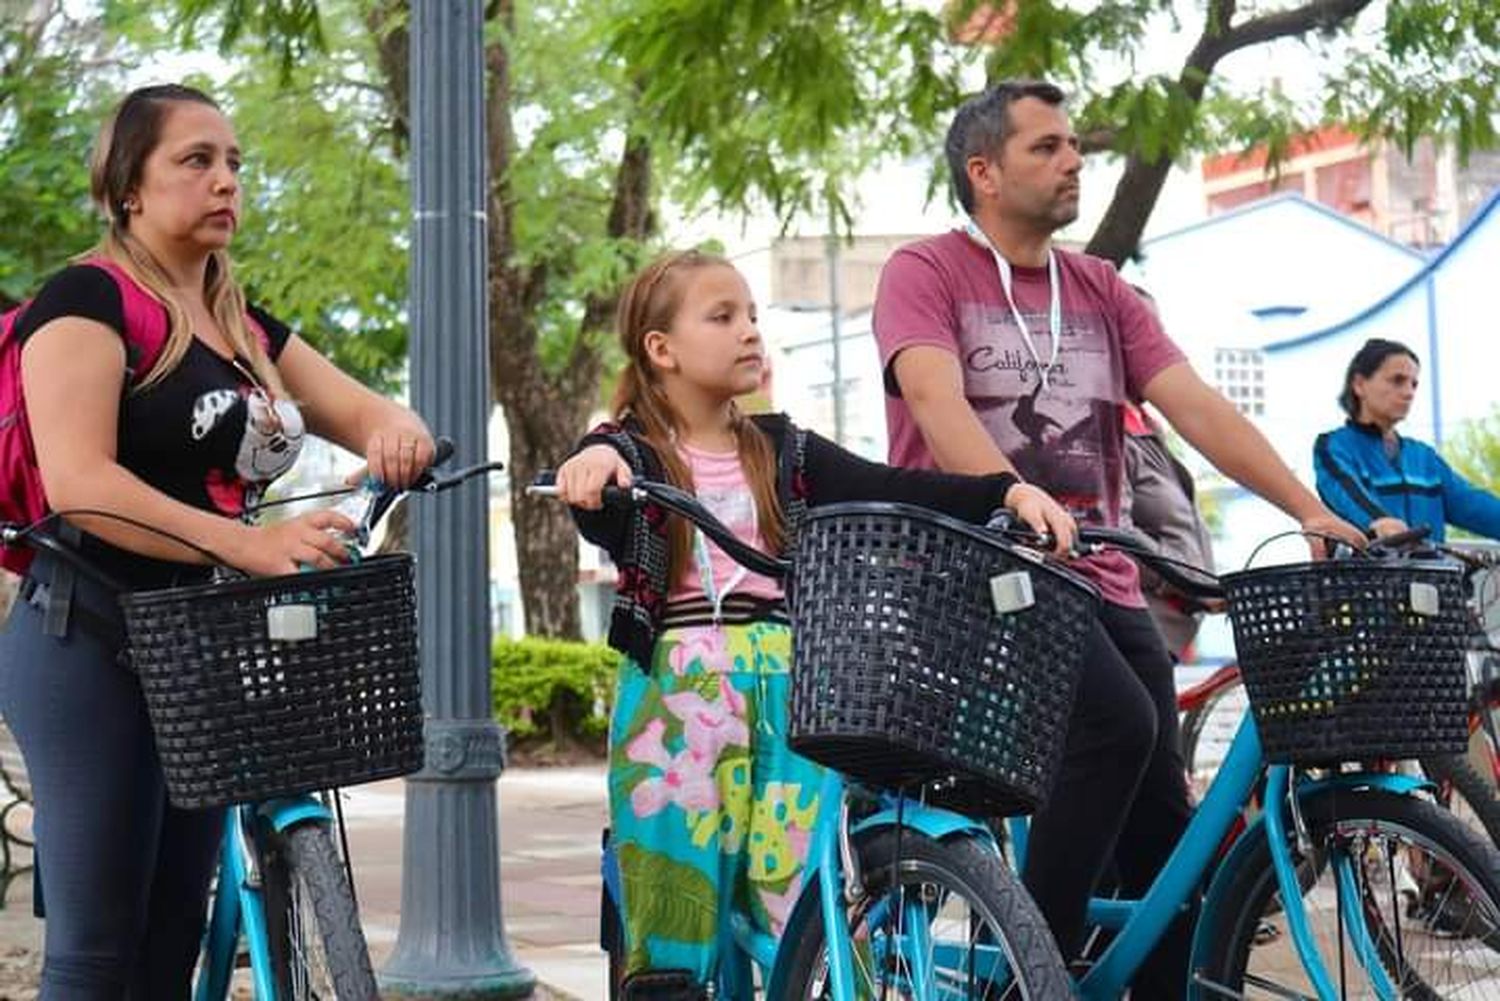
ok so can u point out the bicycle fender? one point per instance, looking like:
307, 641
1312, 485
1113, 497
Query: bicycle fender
935, 823
282, 814
1401, 785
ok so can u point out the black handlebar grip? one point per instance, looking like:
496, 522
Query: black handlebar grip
1400, 540
442, 449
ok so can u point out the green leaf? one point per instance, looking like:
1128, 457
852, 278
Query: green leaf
673, 899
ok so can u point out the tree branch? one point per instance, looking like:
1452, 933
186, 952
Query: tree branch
1319, 14
1098, 140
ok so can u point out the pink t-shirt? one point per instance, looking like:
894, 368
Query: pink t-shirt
719, 481
1068, 438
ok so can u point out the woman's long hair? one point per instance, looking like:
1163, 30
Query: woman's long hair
651, 302
1366, 362
125, 140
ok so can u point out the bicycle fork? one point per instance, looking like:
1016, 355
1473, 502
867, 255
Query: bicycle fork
1283, 843
239, 898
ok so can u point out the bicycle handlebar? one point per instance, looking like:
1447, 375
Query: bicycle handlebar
429, 482
685, 504
679, 502
1195, 582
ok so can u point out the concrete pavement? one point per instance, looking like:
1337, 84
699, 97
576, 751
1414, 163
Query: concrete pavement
550, 821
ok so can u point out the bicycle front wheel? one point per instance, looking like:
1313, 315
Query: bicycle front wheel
1462, 789
1428, 889
960, 926
317, 946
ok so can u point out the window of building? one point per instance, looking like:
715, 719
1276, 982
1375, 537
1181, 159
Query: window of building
1240, 374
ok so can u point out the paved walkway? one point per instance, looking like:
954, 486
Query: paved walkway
550, 821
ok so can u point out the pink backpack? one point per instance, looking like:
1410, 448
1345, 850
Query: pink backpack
22, 500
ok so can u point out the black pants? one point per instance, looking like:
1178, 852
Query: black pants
1121, 795
126, 875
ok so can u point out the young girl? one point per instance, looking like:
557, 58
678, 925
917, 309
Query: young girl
185, 446
707, 803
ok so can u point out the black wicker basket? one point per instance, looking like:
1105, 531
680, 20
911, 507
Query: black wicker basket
281, 685
905, 673
1353, 660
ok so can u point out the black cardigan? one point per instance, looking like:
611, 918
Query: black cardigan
812, 471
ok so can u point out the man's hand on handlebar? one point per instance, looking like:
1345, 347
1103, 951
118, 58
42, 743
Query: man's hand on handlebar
581, 480
1325, 523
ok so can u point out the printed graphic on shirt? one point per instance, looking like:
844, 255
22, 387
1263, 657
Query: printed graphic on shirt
273, 438
1063, 437
734, 506
267, 448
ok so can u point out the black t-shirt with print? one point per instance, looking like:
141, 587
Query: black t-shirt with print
201, 434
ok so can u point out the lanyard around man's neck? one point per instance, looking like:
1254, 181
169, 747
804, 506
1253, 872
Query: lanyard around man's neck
1054, 313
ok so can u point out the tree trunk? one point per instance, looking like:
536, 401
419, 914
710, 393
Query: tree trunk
543, 429
1119, 234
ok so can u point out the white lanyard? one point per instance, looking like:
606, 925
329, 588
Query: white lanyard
1054, 314
711, 589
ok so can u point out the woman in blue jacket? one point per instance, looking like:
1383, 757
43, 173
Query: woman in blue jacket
1372, 476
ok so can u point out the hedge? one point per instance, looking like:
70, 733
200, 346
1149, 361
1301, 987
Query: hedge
555, 691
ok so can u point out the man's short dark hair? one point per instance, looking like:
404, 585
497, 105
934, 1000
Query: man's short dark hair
982, 124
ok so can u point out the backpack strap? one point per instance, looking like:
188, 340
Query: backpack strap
146, 324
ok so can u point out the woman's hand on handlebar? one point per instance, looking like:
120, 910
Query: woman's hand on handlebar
1043, 515
1386, 527
397, 454
284, 547
582, 479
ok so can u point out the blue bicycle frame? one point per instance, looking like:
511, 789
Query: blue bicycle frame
239, 900
1140, 924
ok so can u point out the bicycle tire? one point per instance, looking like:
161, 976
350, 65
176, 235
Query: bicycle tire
1195, 723
1250, 949
1455, 773
964, 867
317, 946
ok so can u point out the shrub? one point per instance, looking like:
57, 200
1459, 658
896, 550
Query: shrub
553, 691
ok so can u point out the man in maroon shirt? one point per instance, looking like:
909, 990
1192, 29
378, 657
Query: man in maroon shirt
1003, 353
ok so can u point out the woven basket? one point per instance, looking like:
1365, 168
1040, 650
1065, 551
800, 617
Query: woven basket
1353, 660
281, 685
905, 674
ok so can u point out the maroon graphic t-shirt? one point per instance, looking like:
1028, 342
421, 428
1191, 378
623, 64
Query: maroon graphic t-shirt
1066, 437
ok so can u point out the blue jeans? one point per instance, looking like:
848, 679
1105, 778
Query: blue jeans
125, 874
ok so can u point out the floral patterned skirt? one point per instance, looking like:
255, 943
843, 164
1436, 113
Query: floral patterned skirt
707, 803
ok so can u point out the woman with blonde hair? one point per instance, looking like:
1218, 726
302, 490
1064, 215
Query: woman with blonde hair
183, 437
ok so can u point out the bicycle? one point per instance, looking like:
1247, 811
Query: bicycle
1313, 879
282, 886
899, 894
1467, 783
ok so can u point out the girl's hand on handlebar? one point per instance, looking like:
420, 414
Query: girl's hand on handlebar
582, 479
397, 454
307, 540
1044, 515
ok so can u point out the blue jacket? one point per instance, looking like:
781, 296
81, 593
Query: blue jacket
1360, 483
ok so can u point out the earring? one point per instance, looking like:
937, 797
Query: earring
131, 205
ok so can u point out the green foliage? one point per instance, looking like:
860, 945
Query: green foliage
50, 108
785, 102
549, 689
324, 243
573, 112
1474, 451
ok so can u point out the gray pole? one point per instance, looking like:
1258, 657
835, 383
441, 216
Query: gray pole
836, 326
452, 937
